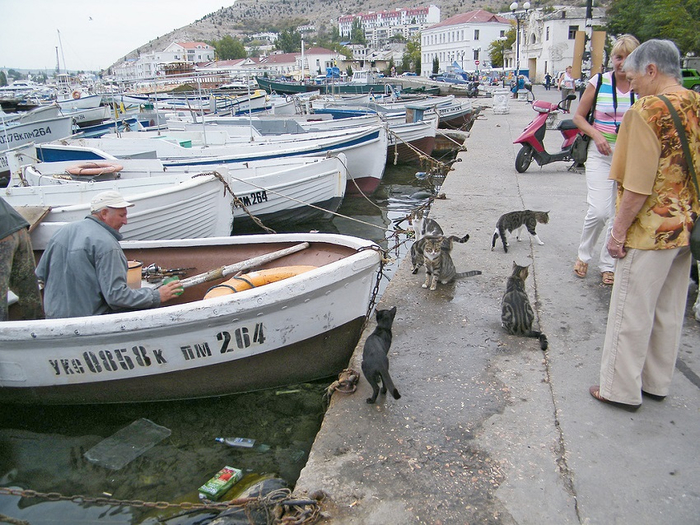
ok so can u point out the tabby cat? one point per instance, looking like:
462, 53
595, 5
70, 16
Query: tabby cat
438, 261
516, 312
515, 220
375, 359
426, 227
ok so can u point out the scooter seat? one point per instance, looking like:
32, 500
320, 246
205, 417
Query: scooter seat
567, 124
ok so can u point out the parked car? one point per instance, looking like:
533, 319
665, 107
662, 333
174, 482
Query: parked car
449, 77
691, 79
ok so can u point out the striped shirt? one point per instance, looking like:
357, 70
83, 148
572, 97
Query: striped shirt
607, 120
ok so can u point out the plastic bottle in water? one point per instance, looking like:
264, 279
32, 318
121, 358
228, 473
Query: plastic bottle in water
245, 443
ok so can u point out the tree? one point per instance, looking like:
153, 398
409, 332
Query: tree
677, 20
412, 55
357, 32
391, 66
497, 47
3, 78
436, 65
289, 41
229, 48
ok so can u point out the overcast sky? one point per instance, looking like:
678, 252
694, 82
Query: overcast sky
94, 33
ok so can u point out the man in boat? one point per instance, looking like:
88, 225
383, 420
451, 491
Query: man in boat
84, 268
17, 265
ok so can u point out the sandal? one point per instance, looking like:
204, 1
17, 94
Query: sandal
595, 392
580, 268
608, 278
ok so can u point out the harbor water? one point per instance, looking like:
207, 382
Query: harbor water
44, 448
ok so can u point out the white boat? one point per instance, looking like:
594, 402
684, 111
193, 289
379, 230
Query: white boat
301, 328
407, 138
365, 148
17, 132
279, 192
172, 205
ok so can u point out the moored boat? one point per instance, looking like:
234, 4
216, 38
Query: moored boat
278, 192
297, 329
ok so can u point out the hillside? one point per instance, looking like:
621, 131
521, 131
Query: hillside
250, 16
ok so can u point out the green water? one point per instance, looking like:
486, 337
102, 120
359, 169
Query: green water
43, 448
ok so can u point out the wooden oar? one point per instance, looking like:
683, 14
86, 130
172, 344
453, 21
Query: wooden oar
223, 271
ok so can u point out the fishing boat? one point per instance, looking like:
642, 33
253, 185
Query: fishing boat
365, 149
173, 205
362, 82
300, 328
278, 192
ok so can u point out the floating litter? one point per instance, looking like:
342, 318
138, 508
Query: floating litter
127, 444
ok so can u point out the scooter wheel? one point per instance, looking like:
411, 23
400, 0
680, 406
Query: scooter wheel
523, 159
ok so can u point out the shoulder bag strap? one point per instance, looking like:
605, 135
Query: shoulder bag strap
591, 112
684, 141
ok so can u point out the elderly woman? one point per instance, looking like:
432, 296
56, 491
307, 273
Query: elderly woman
656, 208
611, 102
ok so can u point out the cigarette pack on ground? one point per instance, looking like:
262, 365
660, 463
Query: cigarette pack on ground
219, 484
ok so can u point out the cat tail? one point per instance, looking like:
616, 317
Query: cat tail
470, 273
460, 239
495, 238
544, 344
389, 384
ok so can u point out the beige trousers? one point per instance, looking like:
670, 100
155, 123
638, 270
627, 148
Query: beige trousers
645, 319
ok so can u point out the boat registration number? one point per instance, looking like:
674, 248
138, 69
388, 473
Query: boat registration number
256, 197
126, 359
9, 138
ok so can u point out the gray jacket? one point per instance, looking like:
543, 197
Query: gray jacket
84, 271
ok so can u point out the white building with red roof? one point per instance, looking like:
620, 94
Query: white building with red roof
463, 38
379, 26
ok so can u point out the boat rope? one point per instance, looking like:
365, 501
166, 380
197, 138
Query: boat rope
357, 187
279, 506
383, 260
422, 156
300, 202
236, 201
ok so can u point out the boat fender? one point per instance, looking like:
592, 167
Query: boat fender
94, 168
76, 94
250, 280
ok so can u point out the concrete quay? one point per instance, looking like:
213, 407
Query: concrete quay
490, 429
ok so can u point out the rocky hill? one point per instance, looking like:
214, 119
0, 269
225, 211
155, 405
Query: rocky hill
250, 16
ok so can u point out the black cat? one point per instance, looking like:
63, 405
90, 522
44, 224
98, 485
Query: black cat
375, 360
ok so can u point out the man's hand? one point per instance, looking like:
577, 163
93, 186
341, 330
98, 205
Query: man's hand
170, 291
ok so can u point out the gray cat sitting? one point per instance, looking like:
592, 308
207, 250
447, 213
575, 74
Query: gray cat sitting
375, 359
426, 229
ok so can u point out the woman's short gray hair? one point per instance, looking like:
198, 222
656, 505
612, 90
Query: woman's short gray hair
662, 53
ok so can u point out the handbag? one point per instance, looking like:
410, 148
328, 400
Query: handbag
695, 233
579, 148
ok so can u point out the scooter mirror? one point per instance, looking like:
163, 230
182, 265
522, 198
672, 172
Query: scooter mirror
571, 97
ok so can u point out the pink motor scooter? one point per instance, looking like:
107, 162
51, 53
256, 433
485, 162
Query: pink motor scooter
532, 138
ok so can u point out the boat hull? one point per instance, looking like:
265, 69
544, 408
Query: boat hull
297, 329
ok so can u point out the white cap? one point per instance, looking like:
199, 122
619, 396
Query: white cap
108, 199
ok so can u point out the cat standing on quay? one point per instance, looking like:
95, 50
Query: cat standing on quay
424, 228
375, 356
515, 220
439, 265
517, 315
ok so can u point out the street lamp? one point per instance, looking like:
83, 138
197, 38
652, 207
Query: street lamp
503, 58
519, 17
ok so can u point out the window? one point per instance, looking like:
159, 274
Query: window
476, 34
476, 54
547, 37
572, 32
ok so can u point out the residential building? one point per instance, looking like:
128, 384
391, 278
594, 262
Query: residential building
464, 39
150, 65
547, 39
380, 26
